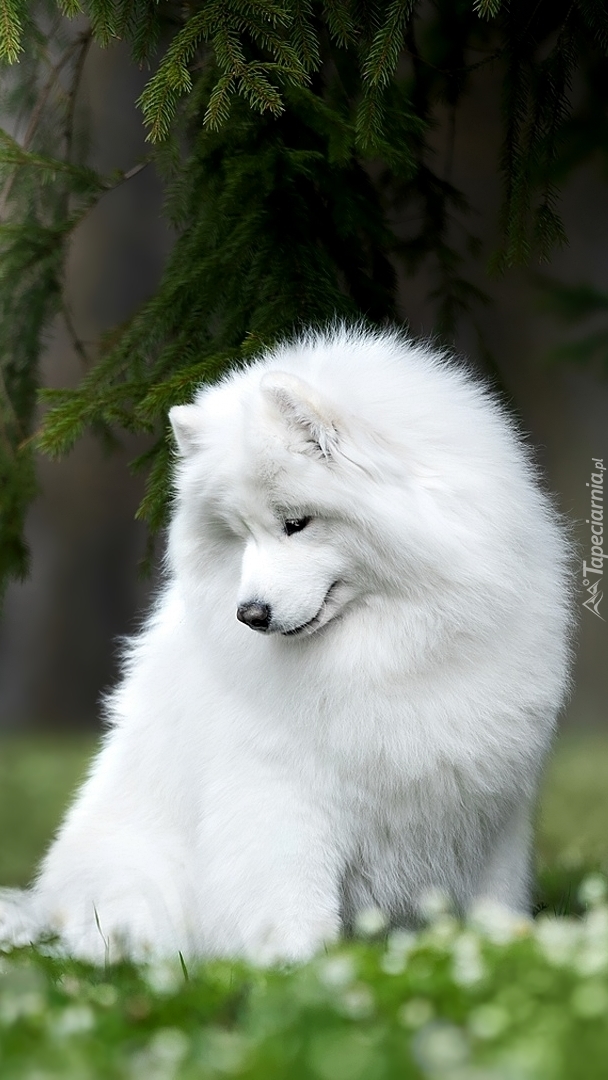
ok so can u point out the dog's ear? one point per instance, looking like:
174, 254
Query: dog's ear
304, 410
185, 421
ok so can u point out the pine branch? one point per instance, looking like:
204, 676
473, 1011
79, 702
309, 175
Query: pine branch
13, 13
104, 20
487, 9
70, 8
305, 40
387, 44
159, 99
340, 23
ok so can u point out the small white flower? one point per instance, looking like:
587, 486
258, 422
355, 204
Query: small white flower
498, 923
488, 1021
73, 1020
104, 994
591, 960
558, 939
442, 931
415, 1013
357, 1002
402, 941
595, 925
593, 890
468, 967
370, 921
592, 957
169, 1045
438, 1047
398, 948
336, 971
70, 985
433, 903
164, 977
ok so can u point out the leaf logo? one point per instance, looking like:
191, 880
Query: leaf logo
592, 603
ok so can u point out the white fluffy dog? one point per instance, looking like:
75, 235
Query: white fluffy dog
347, 687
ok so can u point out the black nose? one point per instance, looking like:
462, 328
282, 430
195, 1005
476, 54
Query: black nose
256, 615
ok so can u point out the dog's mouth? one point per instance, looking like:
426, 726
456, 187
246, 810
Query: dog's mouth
323, 616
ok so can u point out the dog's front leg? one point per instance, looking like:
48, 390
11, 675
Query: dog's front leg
269, 873
506, 877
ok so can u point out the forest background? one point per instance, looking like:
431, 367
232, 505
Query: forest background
181, 184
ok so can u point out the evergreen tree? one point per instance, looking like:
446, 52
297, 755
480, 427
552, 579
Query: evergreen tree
290, 135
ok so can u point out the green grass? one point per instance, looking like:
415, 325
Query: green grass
491, 1001
37, 778
573, 821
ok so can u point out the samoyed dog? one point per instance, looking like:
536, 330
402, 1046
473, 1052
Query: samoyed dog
345, 692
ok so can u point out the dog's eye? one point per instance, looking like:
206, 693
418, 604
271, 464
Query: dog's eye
294, 525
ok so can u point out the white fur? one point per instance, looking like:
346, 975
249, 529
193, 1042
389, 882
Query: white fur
256, 790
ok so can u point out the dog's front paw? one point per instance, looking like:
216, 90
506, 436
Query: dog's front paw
19, 922
293, 942
117, 928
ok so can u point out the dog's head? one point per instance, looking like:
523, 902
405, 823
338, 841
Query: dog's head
272, 475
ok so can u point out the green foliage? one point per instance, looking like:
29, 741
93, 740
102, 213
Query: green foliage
487, 9
35, 220
295, 141
279, 225
536, 104
44, 195
490, 1000
11, 29
224, 26
38, 777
